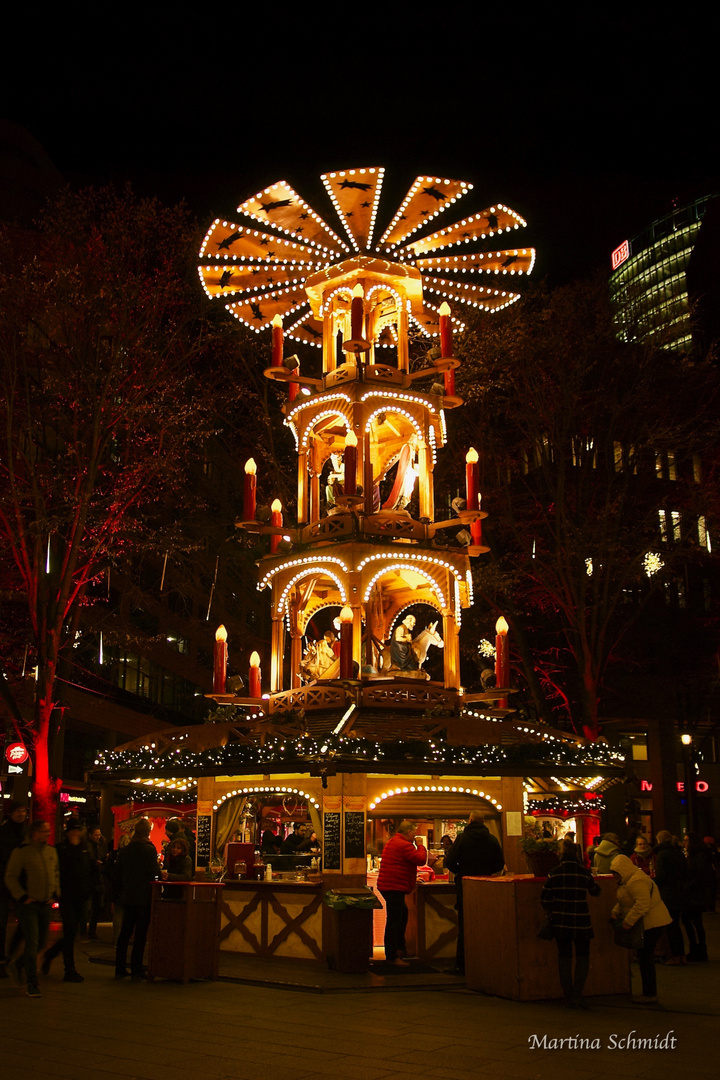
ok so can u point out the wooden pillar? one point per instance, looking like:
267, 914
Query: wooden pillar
302, 503
276, 660
451, 652
402, 347
511, 800
295, 658
367, 474
314, 497
427, 488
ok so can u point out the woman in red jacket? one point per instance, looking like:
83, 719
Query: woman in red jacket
397, 877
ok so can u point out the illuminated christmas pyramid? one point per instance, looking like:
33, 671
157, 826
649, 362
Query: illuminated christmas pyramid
367, 430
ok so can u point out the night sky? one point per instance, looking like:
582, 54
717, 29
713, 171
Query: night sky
589, 127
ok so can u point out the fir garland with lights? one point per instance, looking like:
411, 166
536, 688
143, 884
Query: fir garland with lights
556, 804
342, 753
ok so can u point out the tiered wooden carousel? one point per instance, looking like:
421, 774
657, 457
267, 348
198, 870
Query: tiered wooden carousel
367, 587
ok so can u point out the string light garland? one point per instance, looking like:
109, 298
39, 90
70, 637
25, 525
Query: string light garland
453, 789
567, 807
396, 755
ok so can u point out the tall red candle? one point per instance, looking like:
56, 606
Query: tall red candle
346, 643
277, 341
249, 490
350, 463
472, 479
502, 667
356, 313
255, 687
220, 661
446, 340
276, 519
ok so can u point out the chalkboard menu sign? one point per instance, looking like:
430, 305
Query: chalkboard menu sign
354, 834
331, 841
202, 839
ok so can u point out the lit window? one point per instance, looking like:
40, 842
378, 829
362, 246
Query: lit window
696, 468
703, 534
663, 526
675, 514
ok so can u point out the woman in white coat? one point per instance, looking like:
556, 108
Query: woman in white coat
639, 898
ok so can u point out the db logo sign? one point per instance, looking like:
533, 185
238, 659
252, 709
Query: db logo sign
16, 753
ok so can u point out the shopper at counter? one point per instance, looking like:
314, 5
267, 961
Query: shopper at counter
564, 898
475, 853
639, 898
398, 875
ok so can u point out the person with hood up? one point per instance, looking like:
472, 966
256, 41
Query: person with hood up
639, 898
564, 898
606, 851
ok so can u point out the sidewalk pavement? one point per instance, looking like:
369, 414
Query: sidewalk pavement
109, 1029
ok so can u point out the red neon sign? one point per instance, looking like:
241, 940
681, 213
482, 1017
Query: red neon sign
16, 753
620, 254
700, 785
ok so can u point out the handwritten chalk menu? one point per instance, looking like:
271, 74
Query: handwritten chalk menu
331, 841
202, 839
354, 834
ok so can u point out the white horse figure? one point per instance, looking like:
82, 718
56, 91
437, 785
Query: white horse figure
420, 646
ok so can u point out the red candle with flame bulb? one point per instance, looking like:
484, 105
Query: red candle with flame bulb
220, 661
502, 667
277, 341
255, 681
472, 479
276, 519
249, 496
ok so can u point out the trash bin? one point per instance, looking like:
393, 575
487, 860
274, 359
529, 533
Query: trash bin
185, 930
352, 916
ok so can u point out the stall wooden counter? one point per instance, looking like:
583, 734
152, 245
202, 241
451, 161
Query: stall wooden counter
505, 957
280, 918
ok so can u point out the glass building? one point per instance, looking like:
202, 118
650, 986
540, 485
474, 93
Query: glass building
648, 285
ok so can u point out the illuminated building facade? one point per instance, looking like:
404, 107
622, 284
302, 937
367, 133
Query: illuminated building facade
649, 281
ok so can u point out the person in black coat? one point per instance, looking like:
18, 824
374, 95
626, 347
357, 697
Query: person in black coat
76, 884
564, 898
12, 835
698, 890
670, 877
475, 853
137, 868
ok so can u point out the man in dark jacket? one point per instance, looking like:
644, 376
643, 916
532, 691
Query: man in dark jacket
137, 869
670, 876
76, 881
475, 853
12, 835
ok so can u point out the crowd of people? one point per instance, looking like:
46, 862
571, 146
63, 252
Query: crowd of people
664, 889
80, 876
